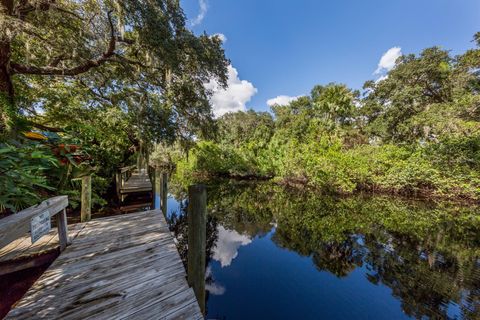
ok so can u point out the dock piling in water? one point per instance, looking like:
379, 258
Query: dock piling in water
197, 212
164, 192
157, 188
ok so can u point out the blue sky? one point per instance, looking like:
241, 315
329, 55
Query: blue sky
281, 47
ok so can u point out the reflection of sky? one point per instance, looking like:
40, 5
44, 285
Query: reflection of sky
215, 289
228, 242
210, 285
173, 205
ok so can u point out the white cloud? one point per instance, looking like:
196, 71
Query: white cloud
221, 36
387, 62
381, 78
281, 100
234, 97
226, 247
201, 15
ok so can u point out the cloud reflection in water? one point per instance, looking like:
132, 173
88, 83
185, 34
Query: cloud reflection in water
228, 242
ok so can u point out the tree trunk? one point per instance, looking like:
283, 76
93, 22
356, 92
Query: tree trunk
7, 110
6, 86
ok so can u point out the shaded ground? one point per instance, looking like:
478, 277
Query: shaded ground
14, 285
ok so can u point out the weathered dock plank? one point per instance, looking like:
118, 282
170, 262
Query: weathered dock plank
23, 248
139, 181
123, 267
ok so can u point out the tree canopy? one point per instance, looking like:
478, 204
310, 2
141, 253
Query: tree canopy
113, 77
422, 93
137, 56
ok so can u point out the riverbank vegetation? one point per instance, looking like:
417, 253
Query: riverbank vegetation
415, 131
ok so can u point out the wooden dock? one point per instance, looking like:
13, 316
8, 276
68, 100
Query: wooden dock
131, 181
121, 267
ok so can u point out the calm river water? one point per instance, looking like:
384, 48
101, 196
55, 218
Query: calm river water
280, 254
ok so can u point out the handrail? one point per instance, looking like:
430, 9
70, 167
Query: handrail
126, 169
16, 225
121, 177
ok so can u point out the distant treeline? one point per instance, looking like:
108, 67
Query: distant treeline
415, 131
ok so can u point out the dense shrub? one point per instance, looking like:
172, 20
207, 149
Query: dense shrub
23, 174
326, 165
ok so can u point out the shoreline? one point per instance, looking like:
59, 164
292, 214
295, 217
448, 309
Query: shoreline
302, 184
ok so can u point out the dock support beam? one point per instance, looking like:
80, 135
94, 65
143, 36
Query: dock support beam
86, 211
161, 190
197, 213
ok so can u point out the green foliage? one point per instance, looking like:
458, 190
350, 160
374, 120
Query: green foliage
325, 164
34, 171
134, 60
415, 132
335, 102
209, 157
423, 97
246, 128
165, 155
23, 174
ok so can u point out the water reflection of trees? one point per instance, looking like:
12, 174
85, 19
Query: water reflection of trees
427, 254
179, 227
178, 224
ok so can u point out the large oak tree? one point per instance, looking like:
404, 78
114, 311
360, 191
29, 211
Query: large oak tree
124, 53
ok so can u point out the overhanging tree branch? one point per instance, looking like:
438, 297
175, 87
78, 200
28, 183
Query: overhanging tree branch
23, 8
46, 128
89, 64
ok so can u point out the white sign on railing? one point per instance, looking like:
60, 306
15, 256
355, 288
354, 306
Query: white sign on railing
40, 225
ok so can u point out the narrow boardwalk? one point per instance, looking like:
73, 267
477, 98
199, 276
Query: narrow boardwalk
122, 267
137, 182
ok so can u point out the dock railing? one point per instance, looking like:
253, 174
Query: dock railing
18, 224
122, 176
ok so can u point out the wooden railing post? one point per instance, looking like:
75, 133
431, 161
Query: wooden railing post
118, 184
197, 213
164, 193
139, 161
86, 211
123, 179
62, 229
